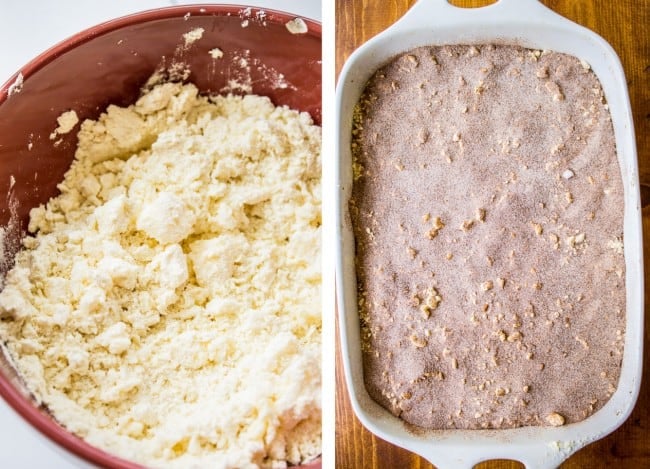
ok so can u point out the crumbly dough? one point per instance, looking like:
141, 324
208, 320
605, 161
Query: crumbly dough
216, 53
192, 36
297, 26
488, 214
168, 307
66, 121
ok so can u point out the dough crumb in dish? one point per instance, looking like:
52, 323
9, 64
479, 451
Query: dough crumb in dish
555, 419
167, 307
513, 151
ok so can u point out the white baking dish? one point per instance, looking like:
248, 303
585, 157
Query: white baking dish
530, 24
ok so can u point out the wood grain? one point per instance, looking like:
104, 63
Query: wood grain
625, 24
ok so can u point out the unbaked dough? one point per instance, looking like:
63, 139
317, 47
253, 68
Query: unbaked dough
167, 308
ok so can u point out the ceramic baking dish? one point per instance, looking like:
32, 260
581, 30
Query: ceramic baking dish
530, 24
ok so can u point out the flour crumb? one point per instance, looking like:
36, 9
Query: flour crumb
17, 86
216, 53
192, 36
67, 122
616, 244
297, 26
166, 218
555, 419
568, 174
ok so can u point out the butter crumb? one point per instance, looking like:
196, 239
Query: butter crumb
554, 89
297, 26
192, 36
467, 225
568, 174
17, 86
216, 53
418, 342
555, 419
437, 226
431, 302
67, 122
616, 244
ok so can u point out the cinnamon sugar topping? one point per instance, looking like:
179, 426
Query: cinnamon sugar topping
491, 269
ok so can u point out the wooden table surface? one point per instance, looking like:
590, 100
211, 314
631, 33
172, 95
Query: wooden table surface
625, 24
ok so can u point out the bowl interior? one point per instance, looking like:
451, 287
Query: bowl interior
109, 64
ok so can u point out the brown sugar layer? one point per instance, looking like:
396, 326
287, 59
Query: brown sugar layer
488, 215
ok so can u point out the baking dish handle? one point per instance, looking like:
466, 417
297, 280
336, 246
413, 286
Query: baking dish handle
444, 12
539, 455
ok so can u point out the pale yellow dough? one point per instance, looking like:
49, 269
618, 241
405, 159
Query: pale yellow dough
168, 307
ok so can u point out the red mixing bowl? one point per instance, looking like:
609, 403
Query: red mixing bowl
108, 64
